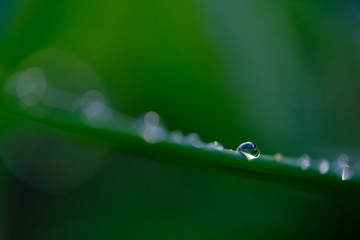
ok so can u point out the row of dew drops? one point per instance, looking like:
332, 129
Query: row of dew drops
149, 127
32, 91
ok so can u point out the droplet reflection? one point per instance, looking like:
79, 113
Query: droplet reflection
249, 149
346, 173
343, 164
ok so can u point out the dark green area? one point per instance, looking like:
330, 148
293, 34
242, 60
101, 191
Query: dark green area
283, 74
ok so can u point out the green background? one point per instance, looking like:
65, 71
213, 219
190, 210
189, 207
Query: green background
283, 74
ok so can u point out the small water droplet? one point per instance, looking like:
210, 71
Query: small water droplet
149, 127
324, 166
343, 160
344, 168
51, 80
95, 109
249, 149
154, 134
278, 156
346, 173
304, 161
194, 140
177, 136
215, 145
151, 119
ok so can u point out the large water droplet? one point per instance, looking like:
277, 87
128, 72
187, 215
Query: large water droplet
249, 149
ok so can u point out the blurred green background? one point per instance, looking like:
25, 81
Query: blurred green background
284, 74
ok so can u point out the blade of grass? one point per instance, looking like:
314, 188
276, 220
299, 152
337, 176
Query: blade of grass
121, 138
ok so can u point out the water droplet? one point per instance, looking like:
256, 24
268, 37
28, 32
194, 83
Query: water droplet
343, 160
324, 166
304, 161
151, 119
95, 109
154, 134
346, 173
215, 145
177, 136
51, 80
343, 164
149, 127
278, 156
249, 149
194, 140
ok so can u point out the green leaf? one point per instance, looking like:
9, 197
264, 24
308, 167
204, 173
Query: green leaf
122, 136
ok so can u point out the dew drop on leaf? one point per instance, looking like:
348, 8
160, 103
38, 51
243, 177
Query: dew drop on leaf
278, 157
249, 149
324, 166
194, 140
304, 161
215, 145
176, 136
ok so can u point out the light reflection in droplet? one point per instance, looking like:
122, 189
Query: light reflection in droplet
343, 165
249, 149
304, 161
346, 173
324, 166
